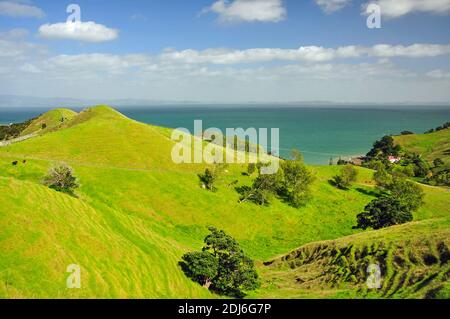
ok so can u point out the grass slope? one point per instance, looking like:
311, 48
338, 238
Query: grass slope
431, 146
149, 211
413, 259
51, 120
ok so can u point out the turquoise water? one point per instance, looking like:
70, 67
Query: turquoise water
320, 133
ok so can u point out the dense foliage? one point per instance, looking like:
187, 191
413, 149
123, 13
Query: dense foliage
221, 266
291, 183
12, 131
395, 206
383, 148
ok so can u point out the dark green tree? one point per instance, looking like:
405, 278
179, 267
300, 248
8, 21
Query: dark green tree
383, 148
201, 267
222, 266
383, 212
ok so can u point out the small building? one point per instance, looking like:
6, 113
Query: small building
393, 159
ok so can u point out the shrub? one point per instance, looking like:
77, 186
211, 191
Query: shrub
207, 179
262, 190
210, 176
61, 179
221, 266
295, 181
346, 177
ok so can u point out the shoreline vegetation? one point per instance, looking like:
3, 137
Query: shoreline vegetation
98, 189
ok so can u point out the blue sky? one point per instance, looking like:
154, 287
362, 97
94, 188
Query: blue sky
210, 50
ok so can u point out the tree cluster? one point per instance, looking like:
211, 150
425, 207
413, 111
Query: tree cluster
221, 266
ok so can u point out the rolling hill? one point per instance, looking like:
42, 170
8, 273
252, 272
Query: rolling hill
430, 146
137, 213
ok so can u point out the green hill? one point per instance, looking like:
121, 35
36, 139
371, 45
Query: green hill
413, 260
138, 212
49, 121
430, 146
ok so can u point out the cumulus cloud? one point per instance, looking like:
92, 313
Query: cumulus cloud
81, 31
398, 8
330, 6
20, 9
392, 8
304, 53
248, 10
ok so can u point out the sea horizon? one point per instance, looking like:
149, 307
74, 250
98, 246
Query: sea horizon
320, 133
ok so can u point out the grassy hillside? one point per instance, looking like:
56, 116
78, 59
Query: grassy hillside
431, 146
413, 259
49, 121
138, 212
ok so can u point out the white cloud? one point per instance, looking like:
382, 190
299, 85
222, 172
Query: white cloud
438, 74
398, 8
305, 54
81, 31
412, 51
18, 9
248, 10
392, 8
29, 68
330, 6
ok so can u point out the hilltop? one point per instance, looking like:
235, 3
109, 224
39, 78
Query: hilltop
137, 212
431, 145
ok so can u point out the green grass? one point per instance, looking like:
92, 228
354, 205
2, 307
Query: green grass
413, 259
138, 212
49, 121
430, 146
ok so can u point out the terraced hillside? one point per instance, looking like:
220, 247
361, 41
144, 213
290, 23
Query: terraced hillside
137, 212
413, 260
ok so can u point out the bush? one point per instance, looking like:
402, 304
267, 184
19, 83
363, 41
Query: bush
207, 179
262, 190
221, 266
383, 212
210, 177
295, 181
408, 193
346, 177
61, 179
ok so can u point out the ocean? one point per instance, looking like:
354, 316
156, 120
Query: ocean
320, 133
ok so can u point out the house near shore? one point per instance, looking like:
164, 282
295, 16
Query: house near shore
393, 159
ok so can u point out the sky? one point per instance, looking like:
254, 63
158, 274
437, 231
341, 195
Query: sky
227, 51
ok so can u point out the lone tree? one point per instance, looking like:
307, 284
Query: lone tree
396, 207
346, 177
210, 176
383, 212
221, 266
296, 181
262, 190
61, 179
